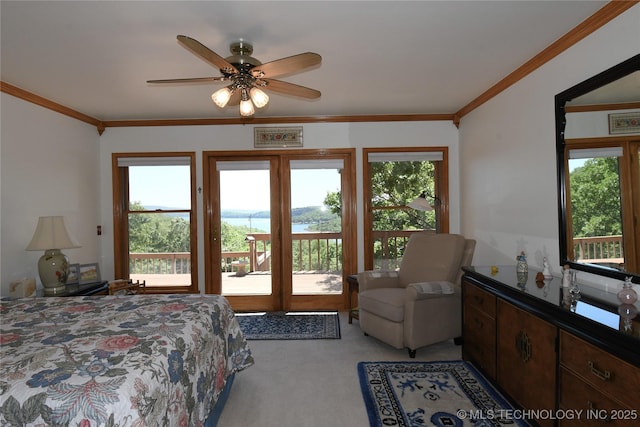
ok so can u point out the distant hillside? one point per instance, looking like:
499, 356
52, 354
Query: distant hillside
304, 215
230, 213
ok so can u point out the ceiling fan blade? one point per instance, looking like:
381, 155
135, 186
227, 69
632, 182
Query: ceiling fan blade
235, 99
207, 54
290, 89
287, 65
189, 80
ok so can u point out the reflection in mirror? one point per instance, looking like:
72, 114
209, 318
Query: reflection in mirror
595, 210
598, 178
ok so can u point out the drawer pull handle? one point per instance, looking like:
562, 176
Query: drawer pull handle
478, 299
603, 375
523, 346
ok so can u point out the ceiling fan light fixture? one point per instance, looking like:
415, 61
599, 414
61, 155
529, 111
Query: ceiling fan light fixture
221, 96
246, 106
259, 98
248, 75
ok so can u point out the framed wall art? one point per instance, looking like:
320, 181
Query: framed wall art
624, 123
74, 274
282, 137
89, 273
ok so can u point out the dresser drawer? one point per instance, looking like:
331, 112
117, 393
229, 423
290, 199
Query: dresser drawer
482, 300
591, 407
526, 358
607, 373
479, 340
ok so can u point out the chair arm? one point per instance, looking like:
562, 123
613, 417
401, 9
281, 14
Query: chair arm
427, 290
375, 279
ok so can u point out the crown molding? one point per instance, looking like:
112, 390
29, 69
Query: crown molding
46, 103
601, 107
608, 12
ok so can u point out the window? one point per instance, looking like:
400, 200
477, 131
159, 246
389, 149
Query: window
154, 220
600, 202
392, 179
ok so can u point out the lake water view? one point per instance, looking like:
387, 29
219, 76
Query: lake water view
262, 224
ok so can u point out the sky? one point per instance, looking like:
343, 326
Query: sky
240, 190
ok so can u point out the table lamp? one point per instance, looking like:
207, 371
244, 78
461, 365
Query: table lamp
50, 236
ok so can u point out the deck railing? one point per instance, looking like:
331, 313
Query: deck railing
322, 252
599, 249
160, 263
319, 252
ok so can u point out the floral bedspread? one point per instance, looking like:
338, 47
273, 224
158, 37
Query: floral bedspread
139, 360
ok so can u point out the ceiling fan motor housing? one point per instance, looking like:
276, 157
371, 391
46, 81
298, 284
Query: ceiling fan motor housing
241, 58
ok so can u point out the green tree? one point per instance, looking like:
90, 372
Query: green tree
157, 233
397, 184
595, 198
234, 237
393, 186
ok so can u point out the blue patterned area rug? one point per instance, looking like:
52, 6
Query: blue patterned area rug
290, 326
447, 393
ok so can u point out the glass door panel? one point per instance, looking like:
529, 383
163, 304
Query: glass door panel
245, 228
316, 227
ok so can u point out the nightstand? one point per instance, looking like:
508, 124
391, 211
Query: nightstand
354, 288
84, 289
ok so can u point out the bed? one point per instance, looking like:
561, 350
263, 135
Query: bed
140, 360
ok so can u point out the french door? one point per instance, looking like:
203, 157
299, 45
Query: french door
280, 227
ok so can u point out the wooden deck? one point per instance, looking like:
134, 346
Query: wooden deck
255, 283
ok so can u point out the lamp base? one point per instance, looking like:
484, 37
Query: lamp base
53, 268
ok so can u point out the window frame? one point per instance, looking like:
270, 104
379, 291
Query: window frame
120, 181
441, 185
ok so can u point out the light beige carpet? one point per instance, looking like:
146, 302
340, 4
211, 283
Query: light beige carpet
313, 383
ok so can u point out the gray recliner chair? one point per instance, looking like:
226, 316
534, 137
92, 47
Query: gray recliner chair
420, 303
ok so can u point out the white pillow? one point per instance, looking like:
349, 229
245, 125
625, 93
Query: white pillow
434, 288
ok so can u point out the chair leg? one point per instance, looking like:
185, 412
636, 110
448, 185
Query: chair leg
412, 354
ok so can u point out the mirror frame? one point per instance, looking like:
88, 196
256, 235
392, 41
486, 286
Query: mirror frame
614, 73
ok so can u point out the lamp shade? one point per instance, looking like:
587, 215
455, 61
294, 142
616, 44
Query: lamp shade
221, 97
246, 108
52, 233
259, 98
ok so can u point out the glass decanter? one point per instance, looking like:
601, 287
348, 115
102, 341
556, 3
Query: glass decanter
627, 294
574, 289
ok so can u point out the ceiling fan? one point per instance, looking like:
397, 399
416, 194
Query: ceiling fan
248, 76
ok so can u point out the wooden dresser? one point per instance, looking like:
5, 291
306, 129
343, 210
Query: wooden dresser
575, 362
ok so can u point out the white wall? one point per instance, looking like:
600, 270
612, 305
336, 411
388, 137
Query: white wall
240, 137
507, 151
591, 124
48, 167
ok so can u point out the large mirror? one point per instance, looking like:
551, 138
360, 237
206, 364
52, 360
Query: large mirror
597, 145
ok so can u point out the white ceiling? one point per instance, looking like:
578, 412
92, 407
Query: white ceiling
378, 57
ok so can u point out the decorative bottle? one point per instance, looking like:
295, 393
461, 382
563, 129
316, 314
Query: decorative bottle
566, 276
522, 266
627, 294
546, 272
